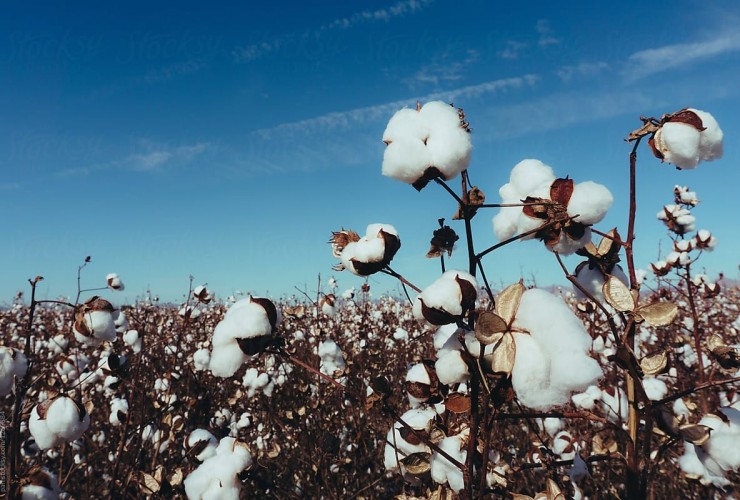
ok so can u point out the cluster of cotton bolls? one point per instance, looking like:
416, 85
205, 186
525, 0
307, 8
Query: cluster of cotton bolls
264, 382
217, 477
247, 328
13, 364
612, 400
677, 219
425, 143
687, 138
365, 255
720, 454
569, 208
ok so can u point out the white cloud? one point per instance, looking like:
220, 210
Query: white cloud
567, 73
651, 61
344, 119
442, 70
512, 50
545, 33
152, 160
261, 49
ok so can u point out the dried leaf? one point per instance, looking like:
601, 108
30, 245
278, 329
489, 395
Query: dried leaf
517, 496
148, 484
504, 355
715, 341
381, 386
489, 327
553, 491
417, 463
618, 295
175, 479
654, 364
728, 357
604, 444
507, 302
419, 390
657, 314
458, 403
695, 433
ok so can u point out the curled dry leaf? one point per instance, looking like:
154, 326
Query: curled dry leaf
507, 302
654, 363
149, 484
488, 327
458, 403
604, 444
657, 314
417, 463
504, 355
618, 295
695, 433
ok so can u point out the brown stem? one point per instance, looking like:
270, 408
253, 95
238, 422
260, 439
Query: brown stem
696, 333
387, 270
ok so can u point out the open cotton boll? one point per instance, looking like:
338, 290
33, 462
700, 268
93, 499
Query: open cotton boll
593, 280
433, 136
63, 418
679, 144
693, 463
446, 337
13, 364
590, 202
332, 358
39, 429
443, 471
100, 326
724, 442
226, 359
655, 388
450, 368
552, 361
40, 484
216, 477
202, 443
447, 298
114, 282
528, 175
397, 447
710, 140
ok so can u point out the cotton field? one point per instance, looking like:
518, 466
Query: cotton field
623, 384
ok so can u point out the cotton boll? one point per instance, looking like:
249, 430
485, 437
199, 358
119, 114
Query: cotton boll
655, 388
40, 484
447, 298
590, 201
550, 425
528, 175
64, 419
724, 443
406, 160
443, 471
568, 245
593, 280
679, 144
450, 151
451, 369
710, 142
13, 363
39, 429
201, 439
405, 123
446, 337
419, 419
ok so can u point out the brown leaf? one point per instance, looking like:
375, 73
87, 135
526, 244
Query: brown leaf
417, 463
618, 295
561, 191
176, 478
507, 302
458, 403
419, 390
654, 364
657, 314
603, 444
695, 433
488, 327
504, 355
149, 484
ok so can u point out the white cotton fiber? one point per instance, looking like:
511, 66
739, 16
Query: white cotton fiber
552, 361
443, 471
13, 363
590, 201
685, 146
450, 368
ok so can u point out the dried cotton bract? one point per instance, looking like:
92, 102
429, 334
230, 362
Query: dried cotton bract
429, 142
687, 138
369, 254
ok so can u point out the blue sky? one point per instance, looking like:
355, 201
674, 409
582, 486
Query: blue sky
228, 142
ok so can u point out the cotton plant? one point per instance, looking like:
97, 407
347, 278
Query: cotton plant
556, 211
429, 142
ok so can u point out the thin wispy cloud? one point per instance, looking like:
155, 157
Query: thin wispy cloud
586, 69
652, 61
345, 119
263, 48
545, 32
8, 186
444, 69
152, 157
512, 50
398, 9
